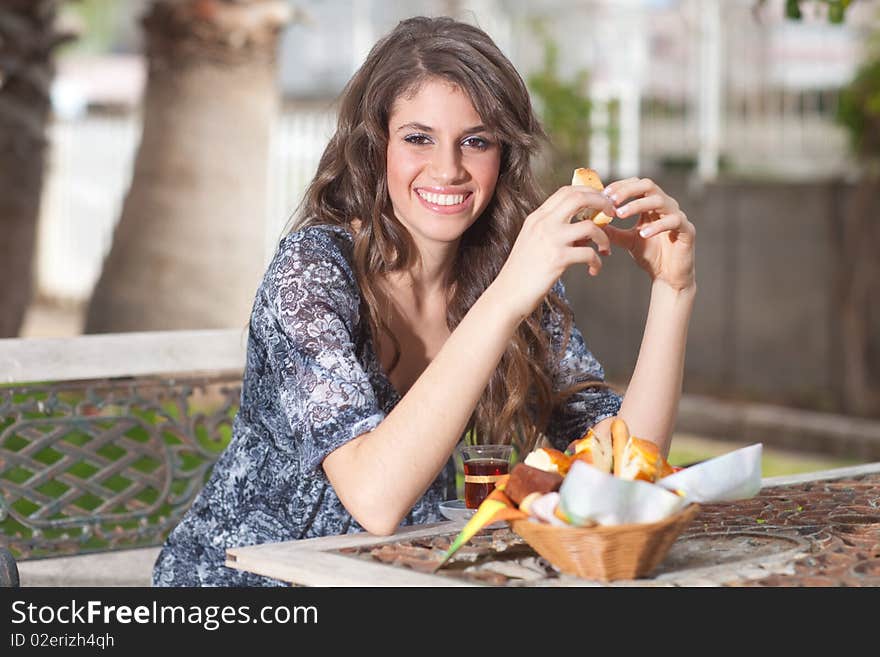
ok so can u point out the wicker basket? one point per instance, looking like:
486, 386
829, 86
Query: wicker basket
606, 552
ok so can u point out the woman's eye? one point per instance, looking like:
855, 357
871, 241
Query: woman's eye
476, 142
417, 139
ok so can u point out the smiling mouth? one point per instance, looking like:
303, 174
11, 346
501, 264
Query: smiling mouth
443, 200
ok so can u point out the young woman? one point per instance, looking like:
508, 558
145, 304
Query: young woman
419, 297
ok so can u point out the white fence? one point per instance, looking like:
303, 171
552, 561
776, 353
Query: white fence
781, 134
298, 140
89, 170
713, 79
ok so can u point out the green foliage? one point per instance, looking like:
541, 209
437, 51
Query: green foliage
836, 9
564, 107
858, 108
97, 22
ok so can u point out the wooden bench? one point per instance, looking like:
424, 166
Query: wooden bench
105, 440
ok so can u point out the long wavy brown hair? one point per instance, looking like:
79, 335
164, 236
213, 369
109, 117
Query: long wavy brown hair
351, 184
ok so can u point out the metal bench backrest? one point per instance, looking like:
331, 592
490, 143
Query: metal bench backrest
105, 440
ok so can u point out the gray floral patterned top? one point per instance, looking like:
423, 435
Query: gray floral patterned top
312, 382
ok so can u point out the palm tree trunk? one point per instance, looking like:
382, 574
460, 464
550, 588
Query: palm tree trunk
188, 249
27, 41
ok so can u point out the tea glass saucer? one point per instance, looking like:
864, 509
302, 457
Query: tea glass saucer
455, 510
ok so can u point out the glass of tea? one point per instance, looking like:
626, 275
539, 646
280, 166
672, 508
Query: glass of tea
483, 466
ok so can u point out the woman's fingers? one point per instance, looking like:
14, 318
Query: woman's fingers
588, 256
624, 237
627, 237
580, 233
658, 211
675, 223
566, 202
652, 203
621, 190
612, 190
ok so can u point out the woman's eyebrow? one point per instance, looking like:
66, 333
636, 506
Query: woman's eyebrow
415, 126
426, 128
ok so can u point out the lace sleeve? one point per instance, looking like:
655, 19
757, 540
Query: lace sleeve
324, 390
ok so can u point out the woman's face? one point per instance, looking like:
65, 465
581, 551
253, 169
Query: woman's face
442, 163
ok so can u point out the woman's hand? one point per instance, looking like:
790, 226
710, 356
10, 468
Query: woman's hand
662, 241
549, 242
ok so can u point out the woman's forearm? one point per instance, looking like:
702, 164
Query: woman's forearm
650, 404
381, 474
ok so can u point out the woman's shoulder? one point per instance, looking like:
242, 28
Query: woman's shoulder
321, 250
318, 240
312, 264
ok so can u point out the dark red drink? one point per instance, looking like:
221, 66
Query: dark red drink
480, 476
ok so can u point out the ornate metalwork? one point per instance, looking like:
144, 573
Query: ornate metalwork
94, 465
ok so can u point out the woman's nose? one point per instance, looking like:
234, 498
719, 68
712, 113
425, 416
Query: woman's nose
446, 165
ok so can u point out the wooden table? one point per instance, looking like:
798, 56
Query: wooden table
816, 529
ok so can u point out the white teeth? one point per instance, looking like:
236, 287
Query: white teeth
442, 199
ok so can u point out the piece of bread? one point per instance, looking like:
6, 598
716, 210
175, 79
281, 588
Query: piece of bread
589, 178
548, 460
593, 449
642, 461
619, 439
525, 480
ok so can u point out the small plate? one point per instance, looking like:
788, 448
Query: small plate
455, 510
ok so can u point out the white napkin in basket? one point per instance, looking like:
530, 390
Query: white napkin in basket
588, 495
732, 476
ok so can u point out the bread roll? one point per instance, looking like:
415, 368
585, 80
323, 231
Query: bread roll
593, 449
589, 178
642, 461
548, 460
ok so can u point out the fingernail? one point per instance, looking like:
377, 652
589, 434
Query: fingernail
645, 232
